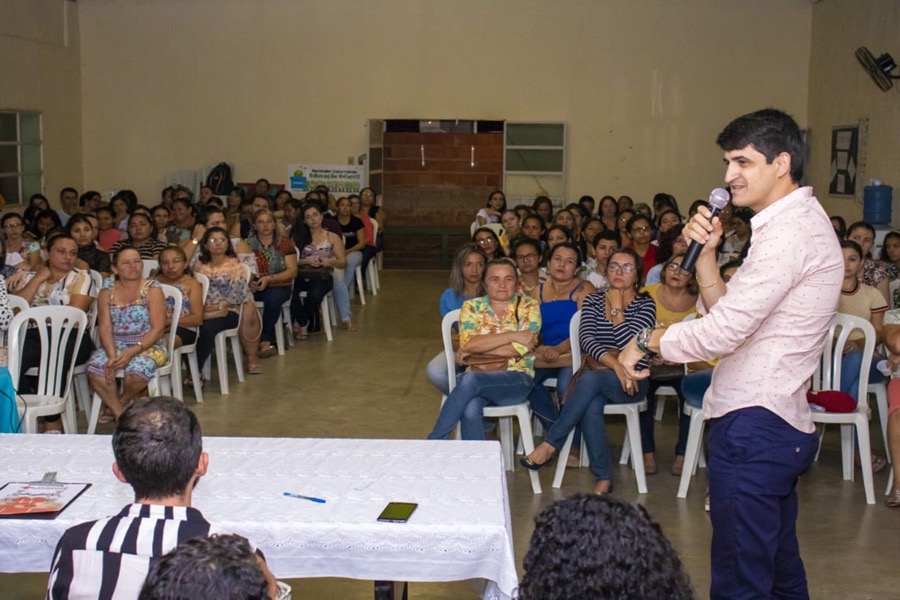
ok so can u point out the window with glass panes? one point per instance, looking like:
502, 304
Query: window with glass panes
21, 157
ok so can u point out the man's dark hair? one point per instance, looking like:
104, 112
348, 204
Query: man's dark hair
609, 234
157, 446
223, 567
67, 189
770, 132
589, 546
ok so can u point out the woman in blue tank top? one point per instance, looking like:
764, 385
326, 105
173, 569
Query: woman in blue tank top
560, 297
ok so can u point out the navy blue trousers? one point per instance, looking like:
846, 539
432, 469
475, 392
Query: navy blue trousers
755, 458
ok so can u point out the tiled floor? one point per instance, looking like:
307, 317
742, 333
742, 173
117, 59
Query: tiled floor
371, 383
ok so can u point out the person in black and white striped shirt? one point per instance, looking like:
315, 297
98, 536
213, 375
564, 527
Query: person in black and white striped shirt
158, 450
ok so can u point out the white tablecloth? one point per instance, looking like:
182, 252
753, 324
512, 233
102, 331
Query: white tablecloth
461, 529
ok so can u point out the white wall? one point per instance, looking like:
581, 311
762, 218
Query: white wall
644, 85
841, 93
40, 70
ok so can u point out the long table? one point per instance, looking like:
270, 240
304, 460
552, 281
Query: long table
461, 529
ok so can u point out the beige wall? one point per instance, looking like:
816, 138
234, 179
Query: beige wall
40, 70
841, 93
644, 85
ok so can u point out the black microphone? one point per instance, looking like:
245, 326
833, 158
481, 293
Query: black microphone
718, 198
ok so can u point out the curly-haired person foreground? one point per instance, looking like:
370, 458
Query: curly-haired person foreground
594, 547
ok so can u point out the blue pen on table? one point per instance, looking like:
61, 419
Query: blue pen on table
302, 497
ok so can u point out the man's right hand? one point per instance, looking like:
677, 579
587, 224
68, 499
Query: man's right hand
703, 230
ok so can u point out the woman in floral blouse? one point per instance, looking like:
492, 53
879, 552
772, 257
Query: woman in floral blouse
497, 337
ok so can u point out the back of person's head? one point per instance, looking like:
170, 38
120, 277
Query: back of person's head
770, 132
596, 547
157, 445
220, 567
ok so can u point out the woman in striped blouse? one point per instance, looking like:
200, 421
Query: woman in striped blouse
609, 319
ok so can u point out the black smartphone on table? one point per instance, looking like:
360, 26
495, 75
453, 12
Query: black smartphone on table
397, 512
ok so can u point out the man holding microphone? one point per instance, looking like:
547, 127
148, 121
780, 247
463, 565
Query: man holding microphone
768, 331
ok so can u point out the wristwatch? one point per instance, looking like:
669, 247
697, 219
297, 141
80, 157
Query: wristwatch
642, 339
614, 312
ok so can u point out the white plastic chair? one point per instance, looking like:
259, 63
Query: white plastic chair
693, 454
828, 377
56, 326
893, 293
505, 414
631, 410
497, 228
221, 351
150, 265
879, 390
82, 389
372, 269
190, 352
161, 383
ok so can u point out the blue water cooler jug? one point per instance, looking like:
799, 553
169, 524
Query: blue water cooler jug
877, 204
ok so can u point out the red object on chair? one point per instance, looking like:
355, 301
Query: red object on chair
832, 400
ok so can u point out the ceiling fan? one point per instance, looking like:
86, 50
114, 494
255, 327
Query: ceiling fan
879, 69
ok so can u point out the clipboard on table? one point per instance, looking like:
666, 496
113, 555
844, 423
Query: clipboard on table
38, 500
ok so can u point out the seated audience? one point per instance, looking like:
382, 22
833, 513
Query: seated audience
622, 226
163, 220
184, 215
874, 273
233, 205
566, 219
221, 566
676, 298
36, 204
89, 255
173, 271
244, 227
528, 255
496, 204
368, 200
588, 204
640, 232
890, 255
840, 227
533, 227
229, 296
624, 203
511, 227
865, 302
158, 451
585, 241
670, 243
68, 200
608, 211
497, 337
276, 262
142, 236
489, 242
667, 220
21, 254
892, 344
131, 319
465, 284
605, 243
587, 547
321, 251
557, 234
736, 246
353, 232
47, 221
543, 206
58, 283
108, 234
89, 202
560, 298
121, 204
609, 320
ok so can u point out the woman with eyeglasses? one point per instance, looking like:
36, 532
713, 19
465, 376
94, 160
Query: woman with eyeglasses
671, 242
487, 239
465, 284
676, 299
609, 320
229, 292
498, 333
21, 255
561, 297
528, 256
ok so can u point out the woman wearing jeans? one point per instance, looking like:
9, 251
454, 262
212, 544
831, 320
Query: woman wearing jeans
502, 326
608, 322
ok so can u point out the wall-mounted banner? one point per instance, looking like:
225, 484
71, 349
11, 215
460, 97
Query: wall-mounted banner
341, 179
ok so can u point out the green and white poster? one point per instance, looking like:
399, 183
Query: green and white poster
340, 179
